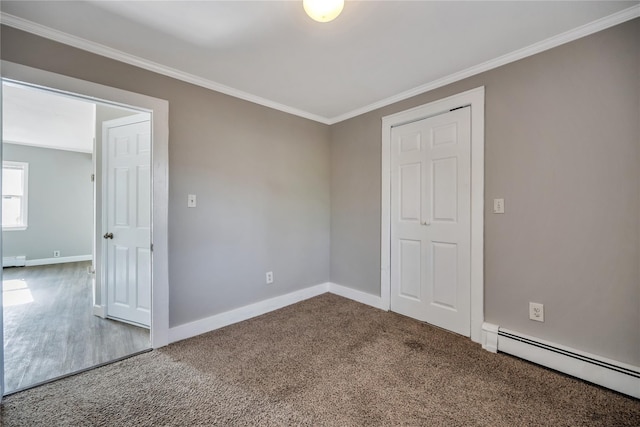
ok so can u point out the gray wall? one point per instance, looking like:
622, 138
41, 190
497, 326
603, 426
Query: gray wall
563, 148
261, 177
562, 138
60, 204
103, 113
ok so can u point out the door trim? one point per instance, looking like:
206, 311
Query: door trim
475, 99
159, 110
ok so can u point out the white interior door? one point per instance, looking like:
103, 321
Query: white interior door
431, 220
127, 222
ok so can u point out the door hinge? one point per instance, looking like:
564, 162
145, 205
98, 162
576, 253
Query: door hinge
151, 247
93, 177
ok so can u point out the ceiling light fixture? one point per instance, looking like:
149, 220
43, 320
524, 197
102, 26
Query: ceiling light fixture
323, 10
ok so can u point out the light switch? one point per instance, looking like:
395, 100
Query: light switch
191, 201
498, 206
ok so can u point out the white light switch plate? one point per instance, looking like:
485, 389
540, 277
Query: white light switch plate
498, 206
191, 201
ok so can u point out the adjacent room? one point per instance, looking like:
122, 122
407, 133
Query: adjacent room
59, 316
387, 213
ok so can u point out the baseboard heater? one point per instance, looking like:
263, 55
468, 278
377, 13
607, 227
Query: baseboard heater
605, 372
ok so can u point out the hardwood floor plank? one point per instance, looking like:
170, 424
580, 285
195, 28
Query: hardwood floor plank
50, 329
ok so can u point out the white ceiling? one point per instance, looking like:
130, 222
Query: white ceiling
44, 119
270, 52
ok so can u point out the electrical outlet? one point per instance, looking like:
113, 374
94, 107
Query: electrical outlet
56, 254
498, 206
536, 311
191, 201
269, 277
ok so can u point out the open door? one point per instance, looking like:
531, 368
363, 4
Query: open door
127, 218
157, 202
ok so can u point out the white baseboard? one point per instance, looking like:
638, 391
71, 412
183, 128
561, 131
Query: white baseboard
218, 321
489, 338
100, 311
227, 318
58, 260
359, 296
608, 373
14, 261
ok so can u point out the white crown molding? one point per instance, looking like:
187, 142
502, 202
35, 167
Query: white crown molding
99, 49
566, 37
102, 50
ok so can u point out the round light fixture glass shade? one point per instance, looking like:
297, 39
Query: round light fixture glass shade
323, 10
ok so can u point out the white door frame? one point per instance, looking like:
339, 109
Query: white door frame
475, 99
159, 110
1, 310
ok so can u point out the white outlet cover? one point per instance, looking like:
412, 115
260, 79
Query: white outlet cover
191, 201
536, 311
498, 206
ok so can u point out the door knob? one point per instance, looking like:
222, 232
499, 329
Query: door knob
108, 236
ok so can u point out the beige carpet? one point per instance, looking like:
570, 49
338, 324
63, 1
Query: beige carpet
325, 361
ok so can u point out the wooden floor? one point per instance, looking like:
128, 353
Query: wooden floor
49, 327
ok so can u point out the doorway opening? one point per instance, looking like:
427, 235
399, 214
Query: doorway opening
56, 319
148, 202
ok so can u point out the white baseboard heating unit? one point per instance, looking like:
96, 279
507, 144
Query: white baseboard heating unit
599, 370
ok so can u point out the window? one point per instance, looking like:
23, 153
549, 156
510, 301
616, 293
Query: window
14, 195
